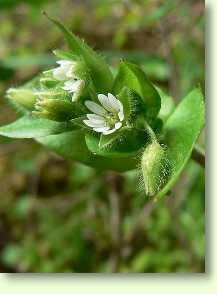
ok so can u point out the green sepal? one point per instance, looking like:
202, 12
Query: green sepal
122, 143
23, 97
58, 110
47, 80
53, 93
133, 77
132, 103
23, 105
156, 168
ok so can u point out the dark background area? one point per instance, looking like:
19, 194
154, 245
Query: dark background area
61, 216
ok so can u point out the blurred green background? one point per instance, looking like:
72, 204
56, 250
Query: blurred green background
60, 216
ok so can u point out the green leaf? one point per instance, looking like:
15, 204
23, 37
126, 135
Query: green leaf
133, 77
99, 70
72, 145
167, 105
123, 143
29, 127
65, 55
181, 132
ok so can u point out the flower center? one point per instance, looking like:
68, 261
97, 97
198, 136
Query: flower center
111, 119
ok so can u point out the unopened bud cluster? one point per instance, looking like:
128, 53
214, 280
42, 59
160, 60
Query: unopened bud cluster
54, 98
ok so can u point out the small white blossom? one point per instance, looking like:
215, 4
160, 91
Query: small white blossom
75, 87
107, 118
66, 72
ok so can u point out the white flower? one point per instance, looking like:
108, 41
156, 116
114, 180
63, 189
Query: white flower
75, 87
66, 72
107, 118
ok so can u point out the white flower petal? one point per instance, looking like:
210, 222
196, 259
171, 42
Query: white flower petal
65, 70
103, 118
64, 62
95, 108
101, 130
104, 100
73, 85
59, 74
68, 84
95, 117
94, 124
114, 102
121, 106
70, 71
109, 131
118, 125
121, 115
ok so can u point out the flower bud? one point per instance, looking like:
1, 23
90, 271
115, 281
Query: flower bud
55, 109
47, 80
23, 97
155, 167
55, 93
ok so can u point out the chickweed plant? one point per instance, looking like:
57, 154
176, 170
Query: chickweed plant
82, 111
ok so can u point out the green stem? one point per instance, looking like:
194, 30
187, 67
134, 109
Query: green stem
198, 155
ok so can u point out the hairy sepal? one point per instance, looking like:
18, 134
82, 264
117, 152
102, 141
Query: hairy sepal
133, 77
155, 167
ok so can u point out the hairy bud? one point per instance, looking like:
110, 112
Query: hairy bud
54, 109
155, 167
23, 97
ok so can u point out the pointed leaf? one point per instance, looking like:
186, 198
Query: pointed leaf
167, 105
29, 127
181, 132
99, 70
65, 55
72, 145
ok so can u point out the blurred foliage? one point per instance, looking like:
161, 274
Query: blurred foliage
58, 216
